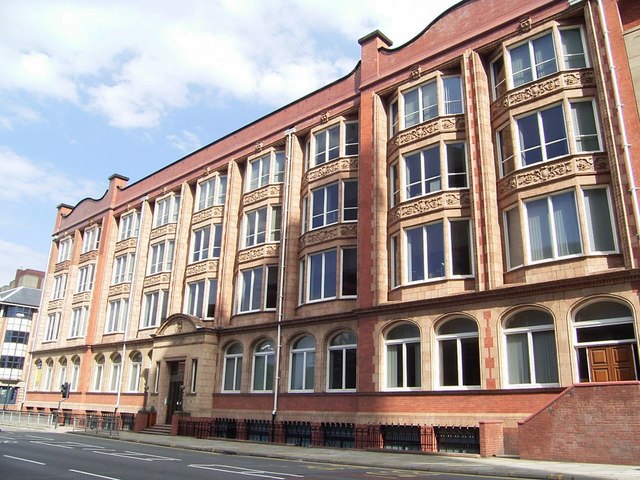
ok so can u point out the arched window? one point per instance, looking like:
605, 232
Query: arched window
37, 378
98, 373
403, 357
531, 349
302, 371
75, 373
605, 342
116, 370
48, 374
62, 377
263, 364
232, 368
342, 362
459, 353
136, 370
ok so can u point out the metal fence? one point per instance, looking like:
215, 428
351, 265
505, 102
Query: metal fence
27, 418
259, 430
109, 424
339, 435
297, 433
458, 439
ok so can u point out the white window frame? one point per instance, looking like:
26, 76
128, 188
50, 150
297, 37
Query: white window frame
90, 239
123, 266
117, 315
85, 278
234, 360
211, 191
78, 322
65, 249
457, 337
98, 373
258, 294
59, 286
341, 350
199, 296
403, 343
267, 169
161, 257
116, 373
135, 372
155, 308
166, 210
306, 354
206, 242
262, 353
53, 327
129, 225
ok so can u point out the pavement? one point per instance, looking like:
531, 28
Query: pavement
508, 467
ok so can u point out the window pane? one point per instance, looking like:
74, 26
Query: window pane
521, 65
555, 134
514, 238
544, 55
584, 124
330, 263
460, 248
411, 108
518, 359
413, 365
539, 230
449, 362
415, 254
452, 95
432, 177
272, 287
297, 369
315, 274
351, 144
429, 101
413, 173
350, 373
349, 272
572, 48
599, 220
544, 354
435, 246
530, 147
336, 366
566, 224
456, 165
394, 366
470, 361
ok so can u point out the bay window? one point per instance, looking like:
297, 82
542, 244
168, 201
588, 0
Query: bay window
65, 248
265, 170
200, 298
258, 289
90, 239
78, 322
211, 192
117, 315
155, 308
123, 268
161, 257
166, 211
329, 274
329, 204
262, 225
331, 143
206, 243
129, 225
85, 278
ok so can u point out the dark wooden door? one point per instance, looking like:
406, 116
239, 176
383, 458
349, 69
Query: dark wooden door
176, 388
612, 364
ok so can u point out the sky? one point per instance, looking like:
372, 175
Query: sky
89, 88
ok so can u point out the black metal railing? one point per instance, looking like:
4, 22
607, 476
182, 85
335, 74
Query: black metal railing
458, 439
224, 428
401, 437
297, 433
340, 435
259, 430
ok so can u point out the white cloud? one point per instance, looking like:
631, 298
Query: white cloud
133, 62
186, 141
32, 183
14, 256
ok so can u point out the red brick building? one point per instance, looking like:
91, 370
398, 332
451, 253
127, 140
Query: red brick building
446, 236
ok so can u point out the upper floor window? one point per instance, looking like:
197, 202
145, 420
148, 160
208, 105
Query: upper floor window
459, 353
129, 225
262, 225
65, 248
52, 328
531, 349
78, 322
437, 97
117, 314
333, 142
155, 308
438, 167
342, 362
232, 368
206, 242
212, 192
161, 257
59, 286
549, 227
330, 204
200, 298
135, 372
402, 345
329, 274
90, 239
166, 210
263, 366
265, 170
541, 136
537, 58
258, 289
85, 278
123, 268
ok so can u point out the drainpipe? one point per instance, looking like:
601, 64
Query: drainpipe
623, 131
283, 244
126, 323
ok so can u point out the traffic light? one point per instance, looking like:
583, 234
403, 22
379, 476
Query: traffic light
64, 389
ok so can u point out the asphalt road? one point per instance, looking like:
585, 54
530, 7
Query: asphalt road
32, 455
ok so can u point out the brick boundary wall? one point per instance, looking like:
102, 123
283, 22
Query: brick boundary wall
592, 422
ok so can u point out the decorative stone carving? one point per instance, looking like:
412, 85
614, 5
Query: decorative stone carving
129, 243
525, 24
157, 279
202, 215
550, 171
421, 206
543, 88
329, 234
168, 229
56, 304
120, 289
269, 191
259, 147
440, 125
210, 266
89, 256
264, 251
324, 118
81, 297
327, 169
416, 71
62, 266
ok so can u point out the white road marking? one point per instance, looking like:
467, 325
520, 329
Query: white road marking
146, 457
246, 471
93, 474
24, 460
